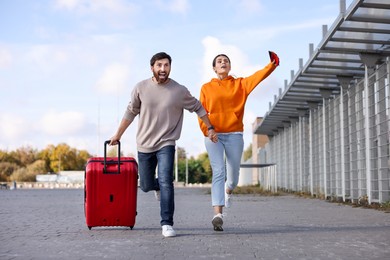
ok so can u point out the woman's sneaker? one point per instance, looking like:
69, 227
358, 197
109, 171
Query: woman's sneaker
217, 222
167, 231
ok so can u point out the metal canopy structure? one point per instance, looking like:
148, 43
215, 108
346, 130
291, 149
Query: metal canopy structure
359, 37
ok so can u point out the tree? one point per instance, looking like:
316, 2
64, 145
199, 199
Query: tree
181, 167
65, 158
198, 174
45, 155
181, 153
82, 158
112, 151
37, 167
205, 162
196, 170
25, 163
199, 170
181, 163
22, 174
62, 158
26, 155
6, 170
248, 152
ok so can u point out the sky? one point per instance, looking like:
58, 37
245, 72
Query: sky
67, 67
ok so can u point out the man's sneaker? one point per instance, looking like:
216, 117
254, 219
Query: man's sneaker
167, 231
157, 195
228, 199
217, 222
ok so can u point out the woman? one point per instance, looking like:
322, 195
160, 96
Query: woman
224, 99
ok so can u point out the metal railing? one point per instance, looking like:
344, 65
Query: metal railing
342, 149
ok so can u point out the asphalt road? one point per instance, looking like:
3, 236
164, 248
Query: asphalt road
50, 224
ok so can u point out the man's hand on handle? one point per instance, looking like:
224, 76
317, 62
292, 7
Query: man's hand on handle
114, 140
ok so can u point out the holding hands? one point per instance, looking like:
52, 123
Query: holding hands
212, 135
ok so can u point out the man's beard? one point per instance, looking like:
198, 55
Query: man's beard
159, 79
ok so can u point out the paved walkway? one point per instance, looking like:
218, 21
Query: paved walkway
50, 224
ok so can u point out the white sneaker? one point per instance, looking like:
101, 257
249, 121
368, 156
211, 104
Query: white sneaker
217, 222
228, 199
157, 195
167, 231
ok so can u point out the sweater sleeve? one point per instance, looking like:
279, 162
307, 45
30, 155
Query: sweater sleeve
133, 108
249, 83
192, 104
202, 125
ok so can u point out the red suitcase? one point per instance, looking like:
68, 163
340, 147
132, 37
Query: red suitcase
110, 190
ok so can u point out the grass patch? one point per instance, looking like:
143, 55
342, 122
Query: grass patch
385, 207
362, 202
255, 189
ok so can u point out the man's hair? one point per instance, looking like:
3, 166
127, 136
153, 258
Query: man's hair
219, 55
160, 56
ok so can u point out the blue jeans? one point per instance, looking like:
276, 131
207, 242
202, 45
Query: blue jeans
230, 146
163, 159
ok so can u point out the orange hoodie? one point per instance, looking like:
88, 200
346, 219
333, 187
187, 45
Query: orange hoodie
224, 100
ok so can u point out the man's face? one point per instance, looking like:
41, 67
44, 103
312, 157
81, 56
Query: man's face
161, 70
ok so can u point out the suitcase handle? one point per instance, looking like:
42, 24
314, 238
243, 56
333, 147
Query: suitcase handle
105, 157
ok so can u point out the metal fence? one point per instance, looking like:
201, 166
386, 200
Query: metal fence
341, 150
267, 178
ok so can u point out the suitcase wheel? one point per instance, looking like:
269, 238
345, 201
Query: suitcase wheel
131, 227
89, 227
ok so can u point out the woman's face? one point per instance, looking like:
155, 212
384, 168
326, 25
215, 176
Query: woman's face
222, 65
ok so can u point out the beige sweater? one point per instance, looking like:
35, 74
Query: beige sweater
160, 109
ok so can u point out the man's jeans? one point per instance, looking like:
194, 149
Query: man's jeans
163, 159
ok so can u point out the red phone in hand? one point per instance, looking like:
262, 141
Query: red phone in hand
274, 58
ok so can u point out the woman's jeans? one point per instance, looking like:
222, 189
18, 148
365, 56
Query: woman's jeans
163, 159
231, 146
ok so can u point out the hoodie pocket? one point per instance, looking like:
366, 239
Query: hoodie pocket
226, 121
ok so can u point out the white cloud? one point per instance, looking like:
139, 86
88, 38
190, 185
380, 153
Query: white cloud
249, 118
60, 56
252, 6
67, 4
179, 6
118, 14
5, 58
46, 57
12, 126
81, 143
62, 123
92, 6
39, 55
174, 6
114, 78
239, 60
267, 33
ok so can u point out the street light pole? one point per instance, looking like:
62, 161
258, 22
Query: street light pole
176, 168
186, 170
59, 163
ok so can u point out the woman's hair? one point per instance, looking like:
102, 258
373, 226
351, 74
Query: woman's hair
160, 56
219, 55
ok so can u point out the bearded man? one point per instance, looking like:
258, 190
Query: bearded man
159, 101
